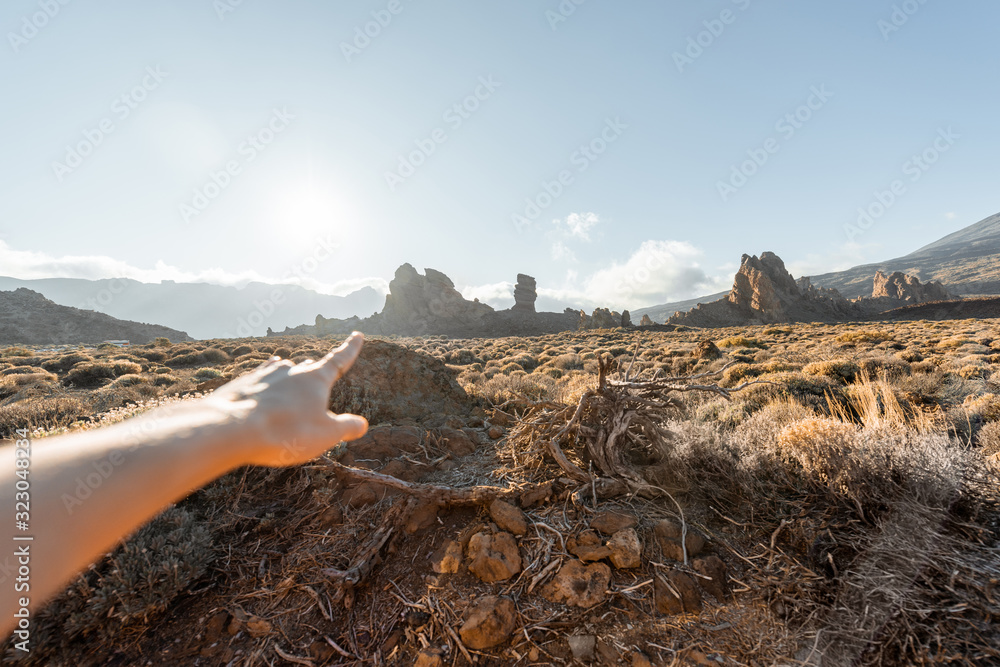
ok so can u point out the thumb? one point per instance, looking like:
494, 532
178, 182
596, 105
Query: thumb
348, 427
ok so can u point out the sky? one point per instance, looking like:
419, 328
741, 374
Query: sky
626, 154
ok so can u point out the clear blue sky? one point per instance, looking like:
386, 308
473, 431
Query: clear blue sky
641, 223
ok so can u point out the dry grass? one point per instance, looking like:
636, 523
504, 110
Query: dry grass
855, 502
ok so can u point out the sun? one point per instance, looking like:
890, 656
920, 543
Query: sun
308, 210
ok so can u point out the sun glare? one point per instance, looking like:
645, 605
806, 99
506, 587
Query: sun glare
308, 211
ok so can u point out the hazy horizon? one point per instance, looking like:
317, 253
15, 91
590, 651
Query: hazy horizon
623, 158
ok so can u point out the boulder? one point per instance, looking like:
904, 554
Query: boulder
646, 321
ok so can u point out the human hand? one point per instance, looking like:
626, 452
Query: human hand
281, 408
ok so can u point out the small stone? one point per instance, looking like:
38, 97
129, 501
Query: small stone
579, 585
712, 566
677, 594
258, 627
424, 515
537, 495
495, 557
640, 660
489, 623
582, 646
495, 432
533, 654
216, 626
429, 657
457, 441
590, 554
508, 517
626, 550
668, 534
608, 653
609, 522
448, 558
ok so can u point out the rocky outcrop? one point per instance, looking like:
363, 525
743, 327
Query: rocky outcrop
28, 318
646, 321
419, 304
525, 294
764, 292
907, 289
429, 304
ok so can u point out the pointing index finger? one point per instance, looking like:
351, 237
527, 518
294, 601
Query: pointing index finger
338, 361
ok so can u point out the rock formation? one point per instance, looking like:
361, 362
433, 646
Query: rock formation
626, 319
764, 292
646, 321
524, 294
908, 289
429, 304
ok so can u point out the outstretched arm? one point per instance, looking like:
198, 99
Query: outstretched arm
92, 489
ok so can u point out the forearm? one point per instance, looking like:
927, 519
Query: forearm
90, 489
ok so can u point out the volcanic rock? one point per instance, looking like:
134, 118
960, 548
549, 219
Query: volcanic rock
902, 287
610, 522
715, 569
495, 557
678, 593
508, 517
525, 294
626, 550
490, 622
646, 321
579, 585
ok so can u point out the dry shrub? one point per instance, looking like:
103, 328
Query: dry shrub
65, 362
823, 446
866, 336
94, 373
516, 389
126, 591
742, 341
40, 413
841, 370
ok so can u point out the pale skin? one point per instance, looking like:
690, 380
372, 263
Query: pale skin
276, 415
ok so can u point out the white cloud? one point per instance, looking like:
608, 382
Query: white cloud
578, 225
657, 272
27, 265
498, 295
560, 252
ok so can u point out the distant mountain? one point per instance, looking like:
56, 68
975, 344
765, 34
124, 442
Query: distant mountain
202, 309
966, 262
28, 318
664, 312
